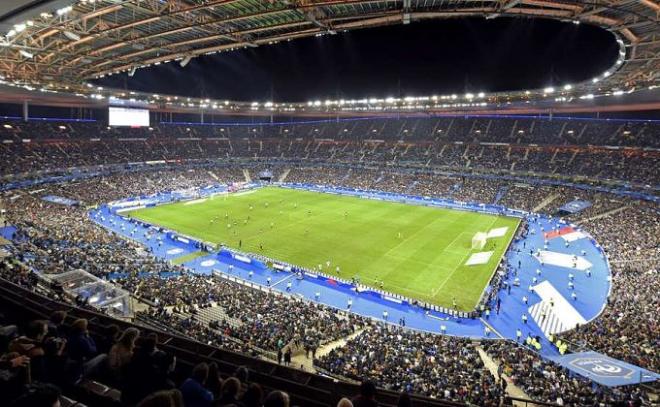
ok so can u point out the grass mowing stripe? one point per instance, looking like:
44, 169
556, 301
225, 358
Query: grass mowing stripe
360, 236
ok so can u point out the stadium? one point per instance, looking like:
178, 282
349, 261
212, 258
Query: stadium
329, 203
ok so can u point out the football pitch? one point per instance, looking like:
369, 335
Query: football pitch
416, 251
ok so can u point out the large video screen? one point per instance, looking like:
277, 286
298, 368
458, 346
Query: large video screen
122, 116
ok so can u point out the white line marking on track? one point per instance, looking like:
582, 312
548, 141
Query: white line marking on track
282, 280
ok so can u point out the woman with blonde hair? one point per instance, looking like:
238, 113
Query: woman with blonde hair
122, 351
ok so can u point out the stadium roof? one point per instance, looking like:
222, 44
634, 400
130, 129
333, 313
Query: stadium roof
61, 45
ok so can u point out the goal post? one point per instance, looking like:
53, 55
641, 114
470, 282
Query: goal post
479, 240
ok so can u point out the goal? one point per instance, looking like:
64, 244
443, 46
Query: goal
479, 240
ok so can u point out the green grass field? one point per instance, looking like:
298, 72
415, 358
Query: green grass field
415, 251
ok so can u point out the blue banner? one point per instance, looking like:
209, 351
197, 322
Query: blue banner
605, 370
575, 206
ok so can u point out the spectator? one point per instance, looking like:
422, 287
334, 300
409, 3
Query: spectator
80, 346
404, 400
121, 352
147, 372
163, 398
253, 396
46, 354
214, 382
193, 390
367, 396
109, 338
276, 398
344, 402
39, 395
56, 326
229, 394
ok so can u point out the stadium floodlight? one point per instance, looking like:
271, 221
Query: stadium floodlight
64, 10
71, 35
185, 61
568, 87
26, 54
549, 89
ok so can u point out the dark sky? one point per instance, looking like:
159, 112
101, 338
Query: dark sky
423, 58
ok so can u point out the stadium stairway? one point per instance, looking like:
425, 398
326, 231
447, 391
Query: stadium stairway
547, 201
284, 174
307, 364
215, 177
215, 313
511, 389
501, 192
411, 187
246, 174
348, 174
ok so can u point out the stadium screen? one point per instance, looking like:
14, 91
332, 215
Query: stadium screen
122, 116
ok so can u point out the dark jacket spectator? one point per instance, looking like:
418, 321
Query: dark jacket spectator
147, 372
80, 346
163, 398
253, 397
109, 338
277, 398
229, 394
46, 361
193, 390
39, 395
404, 400
367, 396
56, 326
213, 381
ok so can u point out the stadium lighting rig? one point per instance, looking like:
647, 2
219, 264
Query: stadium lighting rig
18, 43
185, 61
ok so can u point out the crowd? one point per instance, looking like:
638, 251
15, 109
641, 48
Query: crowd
451, 368
265, 320
53, 238
545, 381
440, 143
629, 325
436, 366
43, 360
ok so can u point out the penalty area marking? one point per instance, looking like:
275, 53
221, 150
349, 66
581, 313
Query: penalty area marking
459, 264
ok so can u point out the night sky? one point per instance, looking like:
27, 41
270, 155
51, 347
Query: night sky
423, 58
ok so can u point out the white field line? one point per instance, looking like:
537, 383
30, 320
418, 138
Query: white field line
458, 264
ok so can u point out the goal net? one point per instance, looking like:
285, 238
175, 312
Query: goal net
479, 240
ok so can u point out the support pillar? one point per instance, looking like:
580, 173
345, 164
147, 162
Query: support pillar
25, 111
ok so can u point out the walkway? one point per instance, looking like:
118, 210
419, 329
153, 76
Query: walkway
307, 364
511, 389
